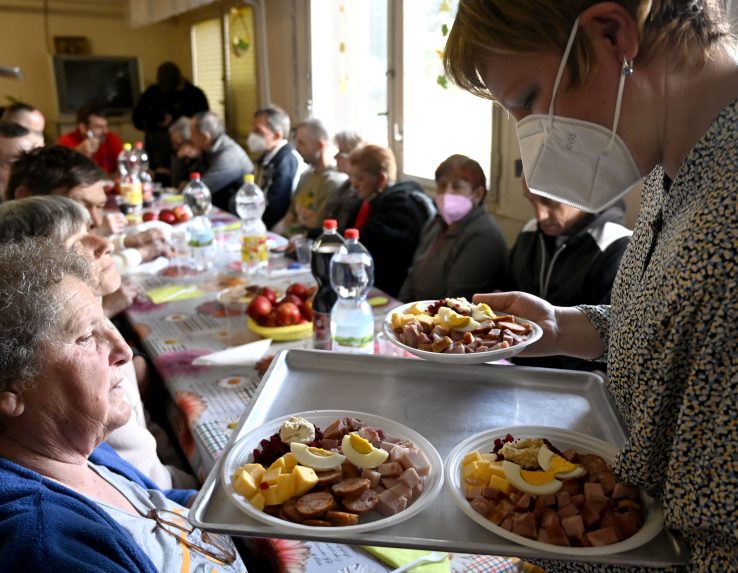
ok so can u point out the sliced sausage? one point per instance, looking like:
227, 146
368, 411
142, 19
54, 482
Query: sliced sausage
351, 487
314, 505
342, 518
363, 503
317, 523
329, 477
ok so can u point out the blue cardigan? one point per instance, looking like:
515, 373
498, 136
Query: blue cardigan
45, 526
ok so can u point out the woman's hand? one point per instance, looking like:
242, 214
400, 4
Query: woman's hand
566, 330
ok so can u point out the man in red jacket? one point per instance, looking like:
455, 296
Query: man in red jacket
93, 139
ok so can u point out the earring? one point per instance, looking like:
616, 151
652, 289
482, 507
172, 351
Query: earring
627, 67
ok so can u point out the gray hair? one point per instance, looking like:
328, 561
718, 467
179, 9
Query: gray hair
182, 127
208, 122
315, 128
31, 311
276, 118
348, 140
55, 217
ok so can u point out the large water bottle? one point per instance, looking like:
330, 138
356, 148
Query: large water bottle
324, 247
250, 206
130, 186
352, 275
200, 231
147, 182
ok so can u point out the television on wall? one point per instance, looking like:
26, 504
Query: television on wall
110, 82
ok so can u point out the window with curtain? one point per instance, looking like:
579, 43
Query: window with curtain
242, 77
207, 62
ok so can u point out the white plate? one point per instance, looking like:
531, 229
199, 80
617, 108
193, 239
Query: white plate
241, 453
471, 358
563, 440
275, 241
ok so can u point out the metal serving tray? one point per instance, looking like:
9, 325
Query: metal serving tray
446, 404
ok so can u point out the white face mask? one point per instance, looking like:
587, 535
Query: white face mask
576, 162
256, 143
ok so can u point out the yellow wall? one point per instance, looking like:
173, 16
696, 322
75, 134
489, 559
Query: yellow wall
23, 43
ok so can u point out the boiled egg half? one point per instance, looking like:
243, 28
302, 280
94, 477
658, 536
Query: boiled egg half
361, 452
316, 458
452, 319
560, 467
532, 482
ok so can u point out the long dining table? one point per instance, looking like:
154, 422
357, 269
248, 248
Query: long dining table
178, 318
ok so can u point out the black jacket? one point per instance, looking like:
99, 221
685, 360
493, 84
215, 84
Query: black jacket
566, 271
277, 177
151, 109
392, 232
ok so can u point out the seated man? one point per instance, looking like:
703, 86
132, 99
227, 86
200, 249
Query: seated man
185, 158
225, 162
14, 141
317, 185
279, 166
93, 139
57, 170
68, 502
29, 117
568, 257
463, 234
391, 217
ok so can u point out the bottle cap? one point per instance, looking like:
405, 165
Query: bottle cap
248, 178
127, 146
139, 145
194, 175
330, 224
351, 233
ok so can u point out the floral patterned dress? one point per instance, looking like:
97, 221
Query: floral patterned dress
672, 339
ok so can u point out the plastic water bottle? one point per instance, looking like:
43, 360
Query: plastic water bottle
130, 186
352, 275
250, 206
147, 183
324, 247
200, 232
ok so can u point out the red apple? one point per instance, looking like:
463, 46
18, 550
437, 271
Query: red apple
150, 216
287, 314
298, 289
259, 307
182, 212
270, 293
269, 320
167, 216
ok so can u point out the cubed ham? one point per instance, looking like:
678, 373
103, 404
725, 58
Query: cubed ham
563, 499
593, 463
578, 500
591, 512
546, 500
402, 490
572, 486
350, 470
416, 459
397, 453
390, 503
501, 511
524, 503
418, 489
507, 523
549, 517
543, 535
371, 435
491, 492
388, 482
593, 492
525, 524
573, 525
607, 481
372, 476
628, 524
620, 491
390, 469
336, 430
568, 510
557, 536
409, 477
604, 536
482, 506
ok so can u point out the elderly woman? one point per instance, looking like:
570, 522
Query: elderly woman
67, 222
605, 93
65, 503
462, 250
392, 214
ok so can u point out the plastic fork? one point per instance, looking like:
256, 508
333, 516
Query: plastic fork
435, 557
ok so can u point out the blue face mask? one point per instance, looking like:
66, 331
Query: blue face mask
576, 162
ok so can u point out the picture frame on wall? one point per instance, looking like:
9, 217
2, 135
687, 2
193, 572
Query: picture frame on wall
72, 45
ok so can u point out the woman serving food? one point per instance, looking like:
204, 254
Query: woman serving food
605, 93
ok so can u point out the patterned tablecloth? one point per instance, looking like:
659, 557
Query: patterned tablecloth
208, 401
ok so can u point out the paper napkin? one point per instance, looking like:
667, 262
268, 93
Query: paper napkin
174, 292
243, 355
399, 557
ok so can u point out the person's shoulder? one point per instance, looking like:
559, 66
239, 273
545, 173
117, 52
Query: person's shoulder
69, 139
609, 233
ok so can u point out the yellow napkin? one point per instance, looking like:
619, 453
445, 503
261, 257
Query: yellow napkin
174, 292
399, 557
173, 198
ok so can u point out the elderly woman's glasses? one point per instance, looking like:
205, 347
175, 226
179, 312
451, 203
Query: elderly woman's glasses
212, 545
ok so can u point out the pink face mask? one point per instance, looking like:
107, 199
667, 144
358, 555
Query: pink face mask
453, 207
